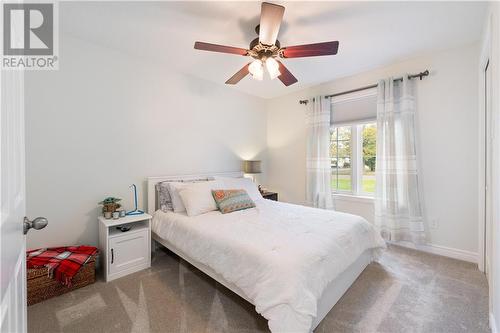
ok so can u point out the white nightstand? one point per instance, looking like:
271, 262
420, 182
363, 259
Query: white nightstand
127, 252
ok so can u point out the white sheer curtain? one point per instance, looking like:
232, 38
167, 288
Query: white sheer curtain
318, 178
398, 210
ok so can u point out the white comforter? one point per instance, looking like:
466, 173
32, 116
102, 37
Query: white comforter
282, 256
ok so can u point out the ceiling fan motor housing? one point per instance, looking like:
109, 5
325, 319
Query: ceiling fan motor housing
255, 42
257, 50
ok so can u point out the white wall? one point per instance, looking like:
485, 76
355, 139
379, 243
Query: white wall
106, 120
448, 122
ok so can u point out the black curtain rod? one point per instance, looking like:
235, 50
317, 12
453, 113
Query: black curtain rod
412, 76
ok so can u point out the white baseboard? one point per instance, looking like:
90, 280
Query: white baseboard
493, 324
442, 251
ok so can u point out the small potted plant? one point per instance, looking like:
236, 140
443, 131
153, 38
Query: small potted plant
109, 205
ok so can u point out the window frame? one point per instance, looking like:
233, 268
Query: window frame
356, 157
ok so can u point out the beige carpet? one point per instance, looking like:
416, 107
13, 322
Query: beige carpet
406, 292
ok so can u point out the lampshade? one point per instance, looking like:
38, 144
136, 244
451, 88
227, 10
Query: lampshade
273, 68
256, 68
251, 167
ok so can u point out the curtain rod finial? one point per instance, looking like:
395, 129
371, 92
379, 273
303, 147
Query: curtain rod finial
422, 74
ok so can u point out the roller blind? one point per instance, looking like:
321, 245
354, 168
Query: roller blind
354, 107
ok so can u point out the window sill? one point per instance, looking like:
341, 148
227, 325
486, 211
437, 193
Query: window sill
353, 198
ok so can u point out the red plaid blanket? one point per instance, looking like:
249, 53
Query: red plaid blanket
63, 262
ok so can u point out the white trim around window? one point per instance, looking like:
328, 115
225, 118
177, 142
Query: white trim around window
353, 198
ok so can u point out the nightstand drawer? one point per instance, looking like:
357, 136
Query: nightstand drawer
128, 250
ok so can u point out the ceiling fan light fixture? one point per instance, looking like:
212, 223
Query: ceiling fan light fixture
266, 50
258, 76
272, 67
256, 68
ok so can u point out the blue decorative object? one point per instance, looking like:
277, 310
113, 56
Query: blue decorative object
136, 210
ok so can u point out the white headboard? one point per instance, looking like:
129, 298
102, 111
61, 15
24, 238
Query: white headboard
152, 181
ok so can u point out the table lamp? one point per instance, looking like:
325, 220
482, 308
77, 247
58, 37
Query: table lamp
252, 168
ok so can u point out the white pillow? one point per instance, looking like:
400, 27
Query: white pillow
177, 203
197, 197
228, 183
173, 201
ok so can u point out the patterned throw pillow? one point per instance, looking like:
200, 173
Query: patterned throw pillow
232, 200
164, 200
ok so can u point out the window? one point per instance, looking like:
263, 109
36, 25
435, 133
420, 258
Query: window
353, 158
340, 153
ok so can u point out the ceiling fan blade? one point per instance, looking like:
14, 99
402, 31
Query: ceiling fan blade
310, 50
286, 77
239, 75
271, 16
220, 48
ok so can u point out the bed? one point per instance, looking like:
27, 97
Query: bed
292, 262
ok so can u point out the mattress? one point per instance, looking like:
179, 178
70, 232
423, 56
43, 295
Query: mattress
281, 256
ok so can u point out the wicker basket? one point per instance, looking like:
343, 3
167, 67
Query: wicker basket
42, 287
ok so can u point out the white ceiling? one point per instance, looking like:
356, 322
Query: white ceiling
371, 34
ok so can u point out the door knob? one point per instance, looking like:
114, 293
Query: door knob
37, 224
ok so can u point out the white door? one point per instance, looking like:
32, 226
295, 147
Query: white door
12, 204
13, 223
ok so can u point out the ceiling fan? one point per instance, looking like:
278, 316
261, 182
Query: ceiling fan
266, 49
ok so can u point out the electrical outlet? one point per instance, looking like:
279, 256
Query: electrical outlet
433, 223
